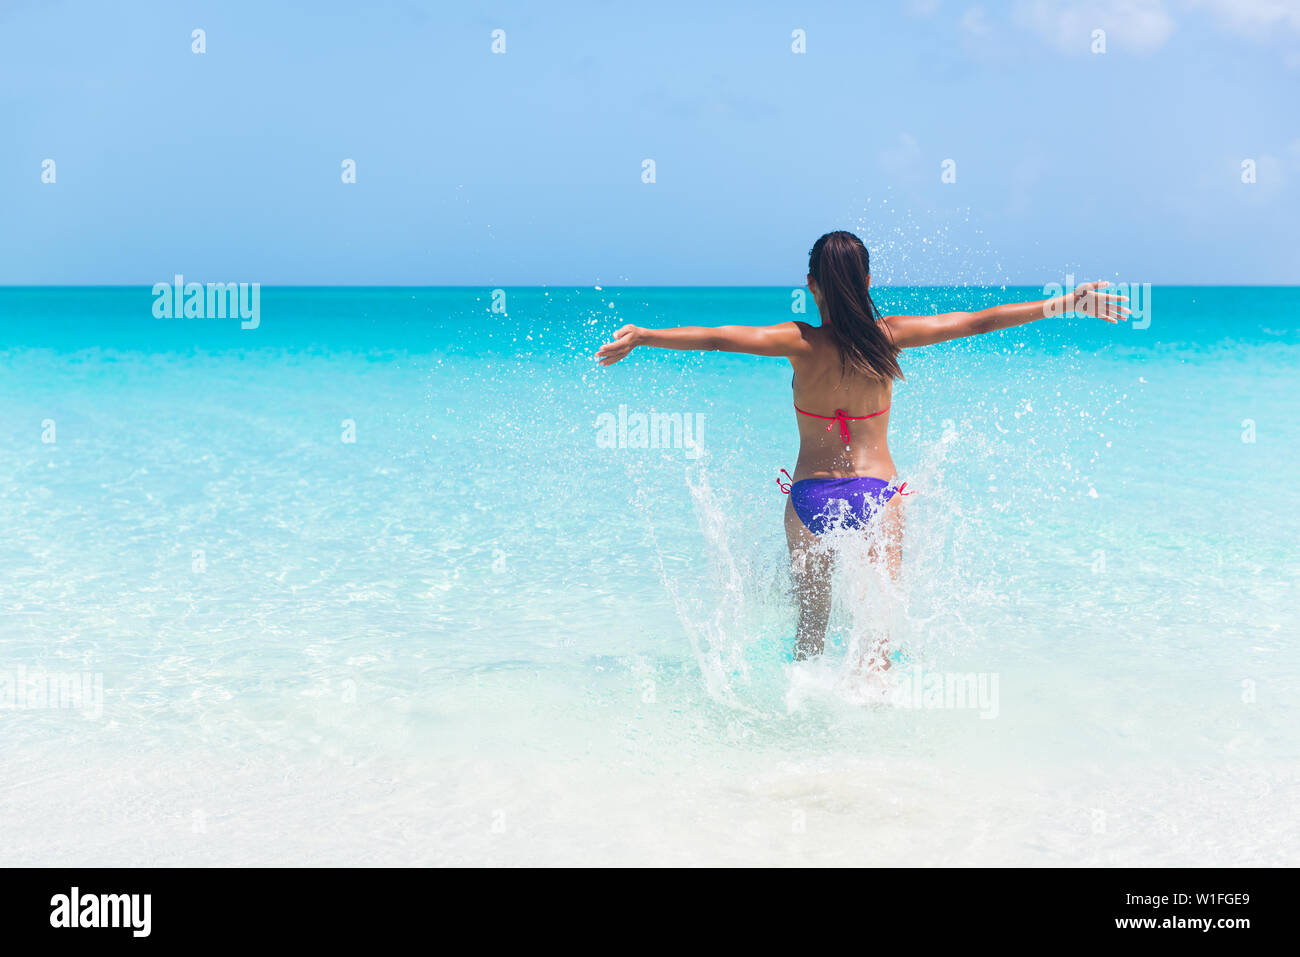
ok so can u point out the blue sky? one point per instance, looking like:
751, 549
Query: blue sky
476, 168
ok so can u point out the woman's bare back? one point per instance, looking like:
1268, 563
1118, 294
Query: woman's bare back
822, 386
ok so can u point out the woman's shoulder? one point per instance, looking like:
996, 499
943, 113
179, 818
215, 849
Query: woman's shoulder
818, 337
810, 332
819, 349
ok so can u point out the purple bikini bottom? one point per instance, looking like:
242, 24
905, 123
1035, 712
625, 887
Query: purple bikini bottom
825, 503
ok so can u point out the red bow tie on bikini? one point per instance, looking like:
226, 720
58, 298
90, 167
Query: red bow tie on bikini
842, 419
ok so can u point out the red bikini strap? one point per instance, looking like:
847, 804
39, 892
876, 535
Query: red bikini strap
785, 486
842, 419
853, 418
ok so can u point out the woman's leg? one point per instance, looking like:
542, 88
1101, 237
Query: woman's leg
888, 548
810, 567
887, 551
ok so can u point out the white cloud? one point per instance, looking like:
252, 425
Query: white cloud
1137, 25
1145, 25
1253, 18
921, 8
975, 22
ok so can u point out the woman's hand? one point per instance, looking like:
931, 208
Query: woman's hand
1087, 301
625, 340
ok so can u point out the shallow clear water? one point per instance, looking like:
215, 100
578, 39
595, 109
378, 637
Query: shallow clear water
478, 634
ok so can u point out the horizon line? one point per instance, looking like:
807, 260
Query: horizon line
608, 288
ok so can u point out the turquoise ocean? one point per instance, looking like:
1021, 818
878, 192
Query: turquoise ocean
393, 579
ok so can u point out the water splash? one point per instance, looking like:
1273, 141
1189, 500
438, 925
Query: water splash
739, 615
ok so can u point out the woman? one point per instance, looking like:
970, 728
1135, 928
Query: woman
844, 372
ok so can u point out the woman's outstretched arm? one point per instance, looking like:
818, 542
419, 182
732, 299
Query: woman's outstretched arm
785, 339
908, 331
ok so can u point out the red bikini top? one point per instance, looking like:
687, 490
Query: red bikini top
841, 418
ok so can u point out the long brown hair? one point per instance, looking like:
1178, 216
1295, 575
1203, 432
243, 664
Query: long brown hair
839, 264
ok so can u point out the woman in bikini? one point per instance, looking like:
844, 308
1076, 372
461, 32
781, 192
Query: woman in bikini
844, 372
